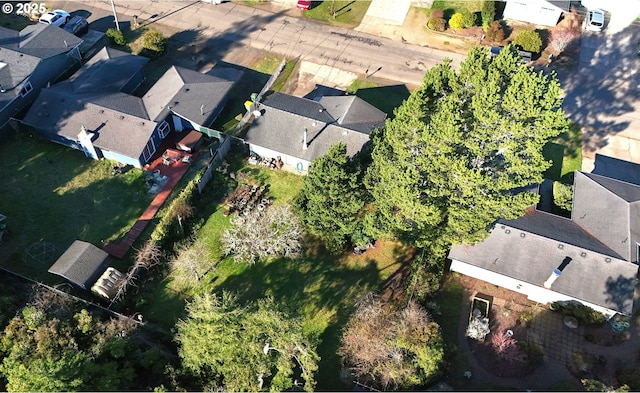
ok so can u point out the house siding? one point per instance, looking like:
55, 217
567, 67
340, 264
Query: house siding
533, 292
286, 159
536, 12
111, 155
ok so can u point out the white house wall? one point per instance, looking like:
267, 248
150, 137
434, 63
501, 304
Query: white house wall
287, 160
538, 13
534, 293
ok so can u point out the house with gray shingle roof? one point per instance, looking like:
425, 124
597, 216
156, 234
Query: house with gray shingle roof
299, 130
31, 59
96, 112
591, 258
82, 263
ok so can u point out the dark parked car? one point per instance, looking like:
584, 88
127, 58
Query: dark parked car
524, 55
77, 26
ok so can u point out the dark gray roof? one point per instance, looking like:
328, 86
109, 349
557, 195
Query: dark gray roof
44, 41
109, 70
609, 209
192, 95
558, 228
58, 113
82, 263
615, 168
15, 68
564, 5
528, 257
283, 132
302, 107
354, 113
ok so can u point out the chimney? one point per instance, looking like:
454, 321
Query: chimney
556, 273
304, 140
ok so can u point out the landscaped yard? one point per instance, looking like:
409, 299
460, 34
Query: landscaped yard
320, 288
347, 13
565, 153
53, 193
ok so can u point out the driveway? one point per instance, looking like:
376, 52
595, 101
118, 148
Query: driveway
603, 94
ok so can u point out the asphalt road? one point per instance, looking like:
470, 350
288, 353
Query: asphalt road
231, 26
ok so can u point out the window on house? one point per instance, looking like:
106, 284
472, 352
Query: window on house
26, 89
163, 129
149, 149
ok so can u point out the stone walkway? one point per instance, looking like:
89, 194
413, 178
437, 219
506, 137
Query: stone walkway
548, 331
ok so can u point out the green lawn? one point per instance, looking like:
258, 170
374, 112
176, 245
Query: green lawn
565, 153
347, 13
56, 194
450, 7
321, 288
385, 98
450, 301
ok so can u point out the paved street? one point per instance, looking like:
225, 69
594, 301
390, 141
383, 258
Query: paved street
276, 31
602, 95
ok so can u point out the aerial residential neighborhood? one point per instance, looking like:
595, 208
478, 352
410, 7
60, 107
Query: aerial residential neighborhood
336, 195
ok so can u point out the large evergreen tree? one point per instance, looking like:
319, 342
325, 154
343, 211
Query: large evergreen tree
460, 148
249, 348
331, 198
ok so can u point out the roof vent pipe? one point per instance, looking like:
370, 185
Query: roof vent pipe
554, 276
304, 140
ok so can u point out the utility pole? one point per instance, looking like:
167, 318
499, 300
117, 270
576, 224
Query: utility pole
115, 16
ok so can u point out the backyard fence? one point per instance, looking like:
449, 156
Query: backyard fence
217, 157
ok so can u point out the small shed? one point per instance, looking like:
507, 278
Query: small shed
81, 264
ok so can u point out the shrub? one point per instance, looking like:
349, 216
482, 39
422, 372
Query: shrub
457, 21
437, 24
495, 32
506, 347
154, 41
630, 376
488, 13
116, 36
583, 314
561, 39
435, 13
468, 19
528, 40
562, 195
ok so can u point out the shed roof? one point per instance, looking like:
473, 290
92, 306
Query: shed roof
82, 263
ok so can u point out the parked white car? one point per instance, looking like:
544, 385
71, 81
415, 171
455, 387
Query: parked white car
595, 20
55, 17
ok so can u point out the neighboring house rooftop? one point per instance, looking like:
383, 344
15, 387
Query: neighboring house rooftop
531, 258
22, 51
601, 240
109, 70
285, 118
82, 263
190, 94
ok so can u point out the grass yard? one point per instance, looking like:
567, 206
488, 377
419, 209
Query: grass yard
385, 98
450, 299
56, 194
321, 288
565, 153
450, 7
347, 13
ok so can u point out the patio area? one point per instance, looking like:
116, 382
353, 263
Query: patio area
163, 173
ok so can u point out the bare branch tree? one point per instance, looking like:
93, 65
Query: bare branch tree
192, 262
390, 348
259, 235
181, 210
146, 257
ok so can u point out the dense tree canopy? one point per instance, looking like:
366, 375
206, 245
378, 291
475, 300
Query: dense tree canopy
460, 148
331, 198
392, 349
248, 348
65, 352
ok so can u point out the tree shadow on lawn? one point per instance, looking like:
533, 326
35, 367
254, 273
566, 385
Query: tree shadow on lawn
321, 288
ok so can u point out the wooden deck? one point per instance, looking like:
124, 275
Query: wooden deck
174, 171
